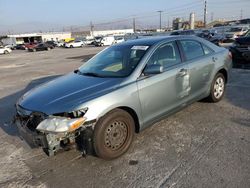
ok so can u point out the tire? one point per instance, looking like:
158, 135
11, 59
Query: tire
34, 50
113, 134
6, 52
102, 44
217, 90
71, 46
48, 49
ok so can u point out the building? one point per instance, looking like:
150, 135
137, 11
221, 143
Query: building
34, 37
112, 32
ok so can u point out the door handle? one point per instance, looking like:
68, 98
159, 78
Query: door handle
183, 72
214, 59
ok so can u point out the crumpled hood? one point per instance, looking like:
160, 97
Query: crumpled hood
66, 92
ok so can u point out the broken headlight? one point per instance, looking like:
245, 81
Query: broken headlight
63, 122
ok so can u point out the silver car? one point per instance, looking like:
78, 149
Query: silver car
121, 91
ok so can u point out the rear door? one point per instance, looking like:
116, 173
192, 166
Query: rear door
161, 93
200, 61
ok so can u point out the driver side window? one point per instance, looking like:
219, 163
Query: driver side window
166, 55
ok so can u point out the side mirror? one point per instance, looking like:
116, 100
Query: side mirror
153, 69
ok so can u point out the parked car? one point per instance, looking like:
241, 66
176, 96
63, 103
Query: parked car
11, 46
41, 47
120, 91
30, 45
106, 41
19, 47
51, 43
60, 43
89, 41
183, 32
4, 50
97, 41
236, 31
74, 44
241, 51
119, 40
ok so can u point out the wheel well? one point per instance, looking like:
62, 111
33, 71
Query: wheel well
134, 116
224, 72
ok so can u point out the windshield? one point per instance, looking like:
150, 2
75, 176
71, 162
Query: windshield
235, 29
115, 61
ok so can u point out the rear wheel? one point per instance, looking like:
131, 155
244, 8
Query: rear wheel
6, 52
48, 49
71, 46
217, 90
113, 134
34, 50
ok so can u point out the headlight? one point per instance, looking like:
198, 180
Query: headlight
63, 122
60, 124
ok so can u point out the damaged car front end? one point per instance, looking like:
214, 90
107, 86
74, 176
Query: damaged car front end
56, 132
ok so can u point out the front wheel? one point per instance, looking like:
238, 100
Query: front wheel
6, 52
113, 134
217, 90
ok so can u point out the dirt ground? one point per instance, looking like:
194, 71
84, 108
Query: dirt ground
204, 145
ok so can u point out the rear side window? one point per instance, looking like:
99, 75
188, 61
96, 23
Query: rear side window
192, 49
166, 55
207, 50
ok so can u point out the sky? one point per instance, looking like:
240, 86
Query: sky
49, 15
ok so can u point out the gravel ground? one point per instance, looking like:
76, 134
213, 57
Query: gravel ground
204, 145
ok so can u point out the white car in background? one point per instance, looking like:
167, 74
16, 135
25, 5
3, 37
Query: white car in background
119, 40
107, 41
74, 44
5, 50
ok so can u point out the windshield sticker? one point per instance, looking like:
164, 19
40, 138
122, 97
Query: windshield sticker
139, 47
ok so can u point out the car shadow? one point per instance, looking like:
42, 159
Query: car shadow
83, 57
7, 105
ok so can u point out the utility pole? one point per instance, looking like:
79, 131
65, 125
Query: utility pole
205, 13
212, 16
168, 23
91, 28
241, 14
134, 28
160, 11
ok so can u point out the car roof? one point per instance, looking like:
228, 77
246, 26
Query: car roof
156, 39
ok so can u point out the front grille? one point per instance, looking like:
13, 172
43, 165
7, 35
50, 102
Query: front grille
243, 48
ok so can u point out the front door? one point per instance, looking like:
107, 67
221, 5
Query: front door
161, 93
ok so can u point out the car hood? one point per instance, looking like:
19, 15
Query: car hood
243, 40
67, 92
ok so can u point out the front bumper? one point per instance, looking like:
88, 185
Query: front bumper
52, 143
34, 139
